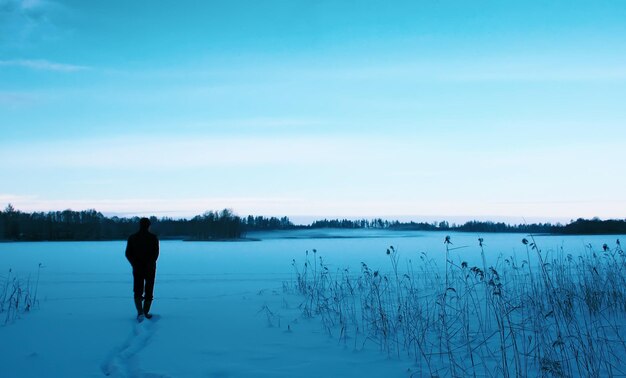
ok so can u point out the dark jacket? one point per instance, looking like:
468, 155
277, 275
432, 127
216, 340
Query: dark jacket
142, 250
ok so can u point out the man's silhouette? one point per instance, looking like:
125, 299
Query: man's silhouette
142, 251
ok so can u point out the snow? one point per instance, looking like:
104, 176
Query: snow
220, 308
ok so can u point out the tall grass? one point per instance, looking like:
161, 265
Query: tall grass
17, 296
551, 314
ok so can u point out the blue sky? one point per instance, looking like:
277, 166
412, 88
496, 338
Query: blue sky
414, 109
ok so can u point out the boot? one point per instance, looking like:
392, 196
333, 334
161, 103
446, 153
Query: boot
138, 307
146, 308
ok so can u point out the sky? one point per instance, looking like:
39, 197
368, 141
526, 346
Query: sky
409, 109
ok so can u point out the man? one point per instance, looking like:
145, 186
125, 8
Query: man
142, 251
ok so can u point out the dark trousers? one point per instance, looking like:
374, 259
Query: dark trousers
143, 283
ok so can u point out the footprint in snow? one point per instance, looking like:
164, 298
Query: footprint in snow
123, 361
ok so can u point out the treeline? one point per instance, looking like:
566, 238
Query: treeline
580, 226
211, 225
63, 225
225, 225
378, 223
93, 225
258, 223
471, 226
595, 226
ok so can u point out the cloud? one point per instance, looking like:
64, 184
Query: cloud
15, 100
520, 67
23, 22
42, 65
172, 152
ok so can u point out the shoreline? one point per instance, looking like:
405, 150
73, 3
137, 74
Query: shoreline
322, 233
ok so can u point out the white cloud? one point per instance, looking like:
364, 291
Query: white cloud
32, 4
17, 99
317, 176
42, 65
189, 152
524, 68
27, 22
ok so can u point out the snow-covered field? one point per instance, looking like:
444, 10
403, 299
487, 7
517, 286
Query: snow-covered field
222, 309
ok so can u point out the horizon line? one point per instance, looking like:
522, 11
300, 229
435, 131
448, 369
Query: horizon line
304, 219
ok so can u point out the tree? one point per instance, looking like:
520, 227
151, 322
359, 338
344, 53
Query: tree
9, 209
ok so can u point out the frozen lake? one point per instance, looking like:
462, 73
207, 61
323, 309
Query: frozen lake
213, 301
271, 256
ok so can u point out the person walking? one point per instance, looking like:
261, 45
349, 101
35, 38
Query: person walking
142, 251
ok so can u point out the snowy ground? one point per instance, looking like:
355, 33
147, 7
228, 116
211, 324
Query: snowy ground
204, 332
220, 309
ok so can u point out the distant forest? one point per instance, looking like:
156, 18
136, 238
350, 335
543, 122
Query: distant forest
225, 225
